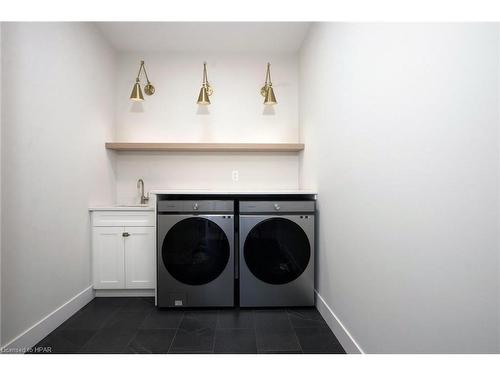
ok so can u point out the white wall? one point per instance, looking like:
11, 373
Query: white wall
57, 112
236, 115
401, 130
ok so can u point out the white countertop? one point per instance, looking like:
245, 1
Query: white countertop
119, 207
122, 208
223, 192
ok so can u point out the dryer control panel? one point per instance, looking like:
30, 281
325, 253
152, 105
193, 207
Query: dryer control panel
277, 206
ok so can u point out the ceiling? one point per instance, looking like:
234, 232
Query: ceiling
205, 36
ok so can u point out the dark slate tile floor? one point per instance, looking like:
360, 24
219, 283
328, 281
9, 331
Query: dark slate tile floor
135, 325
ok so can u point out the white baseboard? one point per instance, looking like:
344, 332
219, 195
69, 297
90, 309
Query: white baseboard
125, 293
346, 340
38, 331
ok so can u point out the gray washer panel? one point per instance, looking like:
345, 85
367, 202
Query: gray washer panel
276, 206
219, 292
257, 293
196, 206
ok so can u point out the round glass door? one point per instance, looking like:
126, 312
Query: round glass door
195, 251
277, 251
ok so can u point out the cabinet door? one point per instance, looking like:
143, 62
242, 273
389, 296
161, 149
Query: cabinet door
108, 258
140, 260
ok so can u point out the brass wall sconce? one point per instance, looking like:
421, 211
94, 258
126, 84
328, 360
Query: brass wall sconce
206, 90
267, 90
149, 89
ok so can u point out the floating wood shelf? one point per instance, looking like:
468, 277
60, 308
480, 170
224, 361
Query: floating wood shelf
206, 147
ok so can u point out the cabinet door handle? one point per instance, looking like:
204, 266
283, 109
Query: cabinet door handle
125, 234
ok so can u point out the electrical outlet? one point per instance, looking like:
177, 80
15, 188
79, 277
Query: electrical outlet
235, 176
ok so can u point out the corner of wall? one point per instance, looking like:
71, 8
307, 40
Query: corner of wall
498, 186
1, 325
304, 163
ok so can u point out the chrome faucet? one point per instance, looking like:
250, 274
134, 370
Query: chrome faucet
144, 198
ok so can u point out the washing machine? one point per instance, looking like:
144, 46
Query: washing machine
276, 253
195, 257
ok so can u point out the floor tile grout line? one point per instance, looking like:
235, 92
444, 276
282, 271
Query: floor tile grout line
217, 320
101, 327
200, 321
215, 332
98, 329
109, 318
137, 330
175, 334
235, 329
132, 339
255, 330
254, 322
147, 316
321, 321
294, 332
90, 338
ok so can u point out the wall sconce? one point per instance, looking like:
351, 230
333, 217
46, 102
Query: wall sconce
149, 89
267, 90
206, 90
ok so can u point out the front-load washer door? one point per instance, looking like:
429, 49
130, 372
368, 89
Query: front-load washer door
276, 260
195, 251
277, 251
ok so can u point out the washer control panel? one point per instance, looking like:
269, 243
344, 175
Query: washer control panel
196, 206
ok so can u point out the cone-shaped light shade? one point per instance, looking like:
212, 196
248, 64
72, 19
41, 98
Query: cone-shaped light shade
270, 99
203, 97
136, 94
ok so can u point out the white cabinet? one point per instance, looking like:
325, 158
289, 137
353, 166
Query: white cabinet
140, 258
123, 256
108, 260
